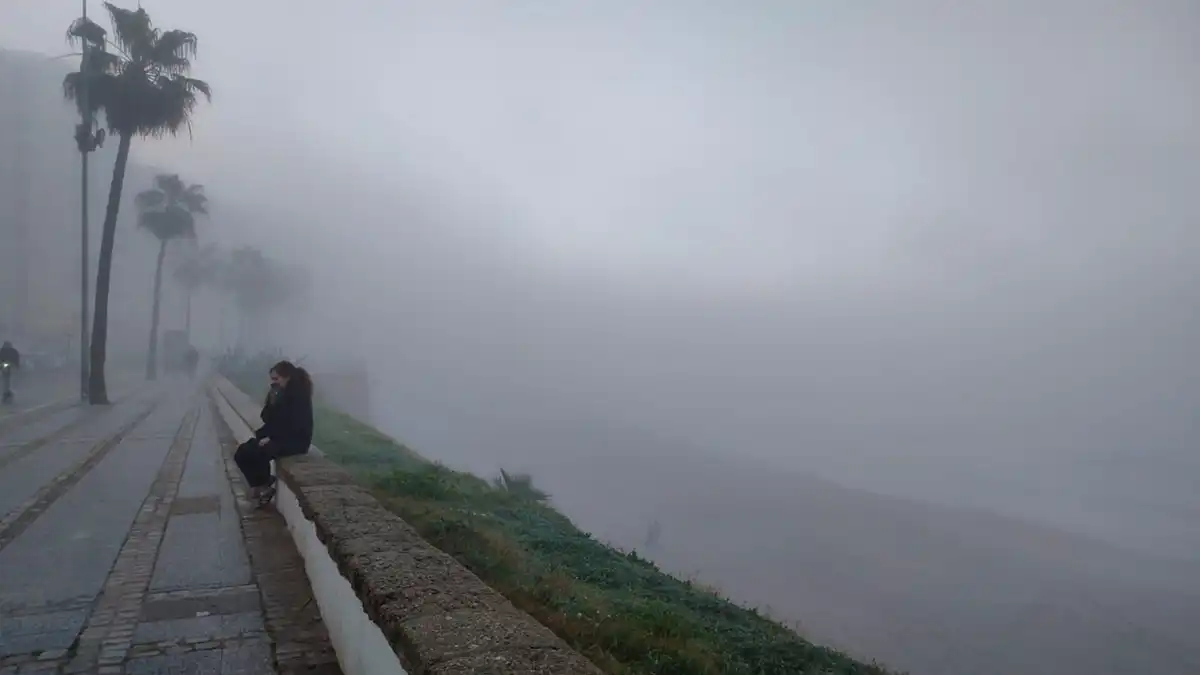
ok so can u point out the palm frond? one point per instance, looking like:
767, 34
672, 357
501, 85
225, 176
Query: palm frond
100, 90
102, 62
170, 184
167, 105
133, 32
171, 192
193, 199
73, 85
84, 31
101, 66
148, 200
144, 88
169, 223
173, 51
111, 88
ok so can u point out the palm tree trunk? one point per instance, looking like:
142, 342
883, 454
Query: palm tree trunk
152, 353
97, 392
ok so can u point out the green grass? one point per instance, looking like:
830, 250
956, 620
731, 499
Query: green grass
619, 610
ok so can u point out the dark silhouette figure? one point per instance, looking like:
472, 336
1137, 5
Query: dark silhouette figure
10, 355
287, 429
192, 360
10, 360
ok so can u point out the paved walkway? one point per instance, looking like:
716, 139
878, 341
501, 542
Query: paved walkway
127, 545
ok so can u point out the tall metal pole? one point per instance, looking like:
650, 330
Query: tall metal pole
84, 148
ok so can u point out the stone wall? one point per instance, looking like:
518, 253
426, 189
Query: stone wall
439, 618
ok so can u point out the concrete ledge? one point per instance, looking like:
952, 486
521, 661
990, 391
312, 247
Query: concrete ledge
437, 617
361, 647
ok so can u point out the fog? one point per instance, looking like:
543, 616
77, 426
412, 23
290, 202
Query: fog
945, 252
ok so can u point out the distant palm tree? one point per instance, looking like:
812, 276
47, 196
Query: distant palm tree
198, 267
259, 285
144, 90
168, 211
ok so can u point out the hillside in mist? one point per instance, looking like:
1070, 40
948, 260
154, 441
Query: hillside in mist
934, 589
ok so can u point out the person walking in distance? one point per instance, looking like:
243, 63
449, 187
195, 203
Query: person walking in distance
192, 361
287, 429
10, 359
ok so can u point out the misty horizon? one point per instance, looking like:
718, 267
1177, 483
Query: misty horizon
947, 255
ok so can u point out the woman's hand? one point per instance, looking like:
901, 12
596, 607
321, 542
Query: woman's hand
263, 441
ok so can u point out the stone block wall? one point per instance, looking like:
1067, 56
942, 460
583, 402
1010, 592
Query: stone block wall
438, 616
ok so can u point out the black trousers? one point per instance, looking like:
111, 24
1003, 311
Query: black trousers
255, 460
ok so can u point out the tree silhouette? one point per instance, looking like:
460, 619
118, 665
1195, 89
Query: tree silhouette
168, 211
198, 268
259, 286
144, 90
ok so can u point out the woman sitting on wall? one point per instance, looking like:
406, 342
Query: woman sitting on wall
287, 429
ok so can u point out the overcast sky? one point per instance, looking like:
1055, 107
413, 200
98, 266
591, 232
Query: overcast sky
828, 234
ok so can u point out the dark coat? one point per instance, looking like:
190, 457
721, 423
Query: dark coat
288, 421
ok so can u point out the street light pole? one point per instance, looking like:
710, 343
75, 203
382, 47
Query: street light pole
85, 146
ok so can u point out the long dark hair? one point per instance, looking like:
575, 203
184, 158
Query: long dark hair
299, 381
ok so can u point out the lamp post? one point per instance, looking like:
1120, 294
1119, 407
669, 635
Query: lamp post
87, 141
84, 149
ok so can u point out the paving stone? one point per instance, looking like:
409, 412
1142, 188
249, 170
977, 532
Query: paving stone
254, 659
189, 663
245, 599
40, 623
192, 505
11, 645
38, 669
203, 549
216, 627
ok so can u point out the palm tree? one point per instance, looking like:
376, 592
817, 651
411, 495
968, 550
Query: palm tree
261, 287
198, 267
144, 90
168, 211
258, 287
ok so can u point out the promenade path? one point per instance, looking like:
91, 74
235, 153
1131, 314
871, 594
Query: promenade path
127, 545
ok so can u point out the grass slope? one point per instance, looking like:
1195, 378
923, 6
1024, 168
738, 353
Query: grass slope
619, 610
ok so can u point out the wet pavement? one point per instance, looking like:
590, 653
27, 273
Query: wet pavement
124, 548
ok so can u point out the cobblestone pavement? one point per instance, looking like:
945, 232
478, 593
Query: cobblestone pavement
127, 546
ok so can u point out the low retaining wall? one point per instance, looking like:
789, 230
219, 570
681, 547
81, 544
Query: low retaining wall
431, 614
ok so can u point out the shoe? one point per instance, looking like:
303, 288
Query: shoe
267, 495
